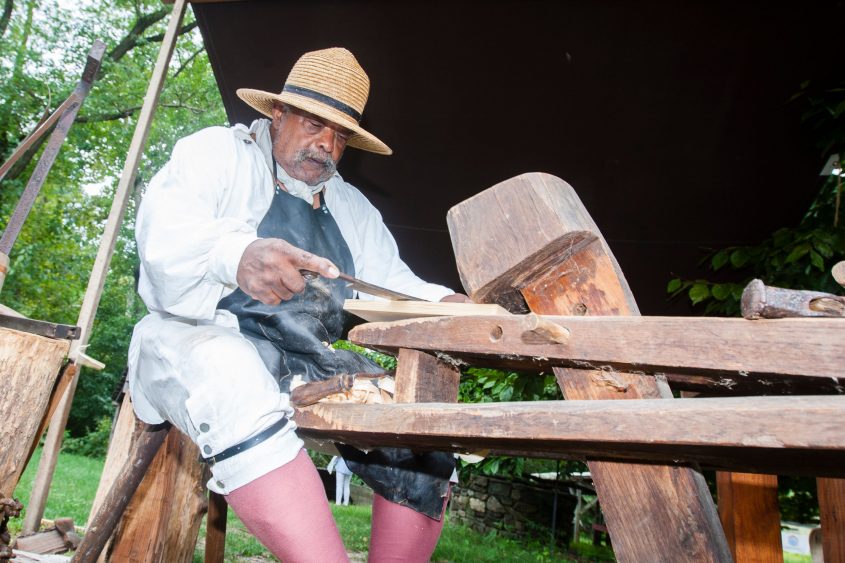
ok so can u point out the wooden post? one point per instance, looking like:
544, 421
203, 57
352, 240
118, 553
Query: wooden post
832, 512
748, 509
422, 378
528, 243
91, 300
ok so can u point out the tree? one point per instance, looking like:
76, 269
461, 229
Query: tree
43, 46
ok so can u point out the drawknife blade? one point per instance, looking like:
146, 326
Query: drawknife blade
364, 287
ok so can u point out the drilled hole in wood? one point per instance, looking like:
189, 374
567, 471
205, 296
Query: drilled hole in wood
579, 309
496, 333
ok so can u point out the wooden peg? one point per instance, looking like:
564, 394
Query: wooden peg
838, 272
539, 330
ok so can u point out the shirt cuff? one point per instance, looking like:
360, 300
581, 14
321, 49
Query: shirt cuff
226, 256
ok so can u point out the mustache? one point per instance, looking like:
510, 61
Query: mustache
323, 158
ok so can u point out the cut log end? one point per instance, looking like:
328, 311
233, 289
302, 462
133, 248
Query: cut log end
838, 272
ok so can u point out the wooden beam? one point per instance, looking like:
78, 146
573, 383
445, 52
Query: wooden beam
90, 302
832, 515
748, 509
215, 528
794, 435
720, 353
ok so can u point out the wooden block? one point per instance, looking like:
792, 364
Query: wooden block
748, 509
832, 515
422, 378
780, 355
796, 435
29, 367
59, 538
531, 237
380, 311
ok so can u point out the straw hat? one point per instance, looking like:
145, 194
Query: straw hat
328, 83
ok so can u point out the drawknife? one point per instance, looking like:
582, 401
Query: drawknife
365, 287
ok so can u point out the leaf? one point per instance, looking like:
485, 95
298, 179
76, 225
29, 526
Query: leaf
699, 292
816, 260
674, 285
720, 259
797, 252
721, 291
739, 257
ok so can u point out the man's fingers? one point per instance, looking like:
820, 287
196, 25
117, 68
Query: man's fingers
303, 260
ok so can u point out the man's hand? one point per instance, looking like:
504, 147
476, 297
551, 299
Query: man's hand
269, 270
456, 298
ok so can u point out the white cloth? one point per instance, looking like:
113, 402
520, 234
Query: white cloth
188, 362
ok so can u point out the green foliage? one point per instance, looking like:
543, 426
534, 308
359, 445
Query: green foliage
485, 385
95, 444
796, 257
386, 361
42, 53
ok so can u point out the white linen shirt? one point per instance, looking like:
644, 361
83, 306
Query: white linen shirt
198, 215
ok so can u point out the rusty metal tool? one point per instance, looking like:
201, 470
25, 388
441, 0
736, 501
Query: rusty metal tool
365, 287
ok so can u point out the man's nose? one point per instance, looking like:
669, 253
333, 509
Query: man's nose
326, 141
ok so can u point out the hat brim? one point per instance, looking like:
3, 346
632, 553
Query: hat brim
361, 139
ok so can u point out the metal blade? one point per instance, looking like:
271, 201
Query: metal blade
371, 289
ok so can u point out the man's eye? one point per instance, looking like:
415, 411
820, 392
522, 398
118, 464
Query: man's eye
315, 125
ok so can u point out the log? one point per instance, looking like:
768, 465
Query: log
530, 241
101, 527
30, 365
787, 435
760, 301
718, 353
748, 509
163, 519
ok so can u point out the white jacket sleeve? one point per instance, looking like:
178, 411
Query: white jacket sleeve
193, 226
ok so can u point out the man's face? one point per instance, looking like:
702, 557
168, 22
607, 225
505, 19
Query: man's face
306, 146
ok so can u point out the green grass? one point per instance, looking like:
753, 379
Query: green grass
76, 479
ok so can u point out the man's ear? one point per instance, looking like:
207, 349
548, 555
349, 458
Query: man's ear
278, 112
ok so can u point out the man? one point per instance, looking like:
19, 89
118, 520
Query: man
224, 233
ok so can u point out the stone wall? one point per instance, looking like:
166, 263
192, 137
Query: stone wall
513, 509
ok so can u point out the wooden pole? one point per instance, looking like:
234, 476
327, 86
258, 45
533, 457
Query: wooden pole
53, 442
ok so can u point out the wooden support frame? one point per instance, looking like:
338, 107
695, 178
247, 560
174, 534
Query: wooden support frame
748, 509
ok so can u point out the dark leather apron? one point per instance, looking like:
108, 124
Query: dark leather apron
293, 338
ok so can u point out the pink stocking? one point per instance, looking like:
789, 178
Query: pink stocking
400, 533
288, 512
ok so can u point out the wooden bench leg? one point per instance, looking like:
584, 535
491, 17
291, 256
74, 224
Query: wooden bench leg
215, 528
832, 512
748, 509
